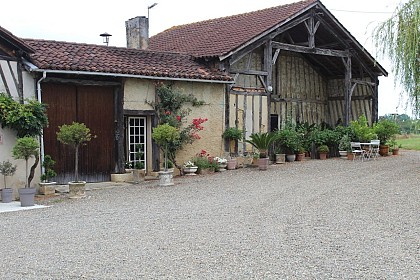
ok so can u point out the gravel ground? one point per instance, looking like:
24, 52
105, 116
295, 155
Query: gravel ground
333, 219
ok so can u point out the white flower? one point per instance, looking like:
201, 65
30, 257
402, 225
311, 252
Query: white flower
220, 160
189, 164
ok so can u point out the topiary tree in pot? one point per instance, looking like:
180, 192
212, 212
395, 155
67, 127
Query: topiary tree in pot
7, 169
75, 135
25, 148
46, 187
385, 130
165, 135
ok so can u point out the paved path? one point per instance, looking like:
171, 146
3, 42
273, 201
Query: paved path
332, 219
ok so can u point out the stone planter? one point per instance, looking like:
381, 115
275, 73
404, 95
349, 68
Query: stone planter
47, 188
190, 171
263, 163
6, 195
122, 177
138, 175
343, 154
222, 167
166, 178
77, 189
280, 158
231, 164
27, 197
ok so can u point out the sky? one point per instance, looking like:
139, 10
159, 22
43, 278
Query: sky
82, 22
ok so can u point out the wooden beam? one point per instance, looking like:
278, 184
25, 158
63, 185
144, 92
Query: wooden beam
3, 78
20, 77
268, 66
119, 129
347, 93
276, 55
318, 51
361, 82
249, 72
358, 97
82, 82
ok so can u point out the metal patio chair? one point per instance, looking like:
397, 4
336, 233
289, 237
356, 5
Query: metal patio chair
357, 150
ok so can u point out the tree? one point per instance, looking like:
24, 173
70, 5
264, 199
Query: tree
399, 39
25, 148
74, 135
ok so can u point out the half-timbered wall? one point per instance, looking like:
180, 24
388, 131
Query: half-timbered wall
361, 103
300, 92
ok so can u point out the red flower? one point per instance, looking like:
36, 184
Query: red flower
178, 118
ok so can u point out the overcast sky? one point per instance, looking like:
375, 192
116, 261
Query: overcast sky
83, 21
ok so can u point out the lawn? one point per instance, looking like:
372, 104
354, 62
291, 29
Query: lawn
409, 142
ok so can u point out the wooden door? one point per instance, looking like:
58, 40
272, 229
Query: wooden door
92, 105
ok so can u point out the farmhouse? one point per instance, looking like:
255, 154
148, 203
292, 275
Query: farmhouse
255, 71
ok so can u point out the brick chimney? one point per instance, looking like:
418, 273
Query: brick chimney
137, 32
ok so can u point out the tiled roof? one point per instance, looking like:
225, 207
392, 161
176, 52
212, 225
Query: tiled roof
219, 36
54, 55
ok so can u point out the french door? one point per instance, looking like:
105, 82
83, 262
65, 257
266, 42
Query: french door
137, 141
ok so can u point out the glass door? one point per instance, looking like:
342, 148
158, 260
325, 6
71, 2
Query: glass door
137, 142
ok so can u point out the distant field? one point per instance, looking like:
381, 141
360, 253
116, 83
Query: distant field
411, 142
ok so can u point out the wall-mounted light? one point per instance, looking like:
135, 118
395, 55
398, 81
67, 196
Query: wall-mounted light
105, 37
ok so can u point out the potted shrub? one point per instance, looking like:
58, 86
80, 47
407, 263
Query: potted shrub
232, 134
289, 139
344, 146
164, 135
323, 151
46, 187
190, 168
25, 148
262, 141
385, 130
7, 169
75, 135
300, 153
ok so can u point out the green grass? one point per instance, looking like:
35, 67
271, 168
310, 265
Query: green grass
410, 142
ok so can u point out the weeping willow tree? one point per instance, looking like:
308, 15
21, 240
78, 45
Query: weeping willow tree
399, 39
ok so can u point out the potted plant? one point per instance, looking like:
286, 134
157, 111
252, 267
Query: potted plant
232, 134
262, 141
7, 169
46, 187
190, 168
25, 148
138, 165
289, 139
385, 130
394, 147
164, 135
75, 135
323, 150
221, 163
344, 146
300, 153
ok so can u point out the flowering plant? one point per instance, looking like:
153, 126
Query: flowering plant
220, 160
189, 164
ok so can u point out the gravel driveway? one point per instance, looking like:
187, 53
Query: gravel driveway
333, 219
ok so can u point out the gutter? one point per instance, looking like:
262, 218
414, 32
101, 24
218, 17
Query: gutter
36, 69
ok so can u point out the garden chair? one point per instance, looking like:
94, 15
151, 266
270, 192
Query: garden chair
374, 148
357, 150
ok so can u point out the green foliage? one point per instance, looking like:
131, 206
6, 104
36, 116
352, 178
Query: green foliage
399, 39
262, 141
385, 130
164, 134
26, 119
74, 134
362, 131
48, 165
7, 169
233, 133
323, 149
345, 143
288, 140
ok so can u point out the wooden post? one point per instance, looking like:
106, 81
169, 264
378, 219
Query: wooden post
119, 128
268, 65
375, 102
347, 91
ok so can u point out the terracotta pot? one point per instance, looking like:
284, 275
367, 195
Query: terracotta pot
300, 157
231, 164
395, 152
350, 156
323, 156
262, 163
383, 150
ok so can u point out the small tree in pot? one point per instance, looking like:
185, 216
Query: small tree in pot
47, 187
164, 135
75, 135
25, 148
385, 130
7, 169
